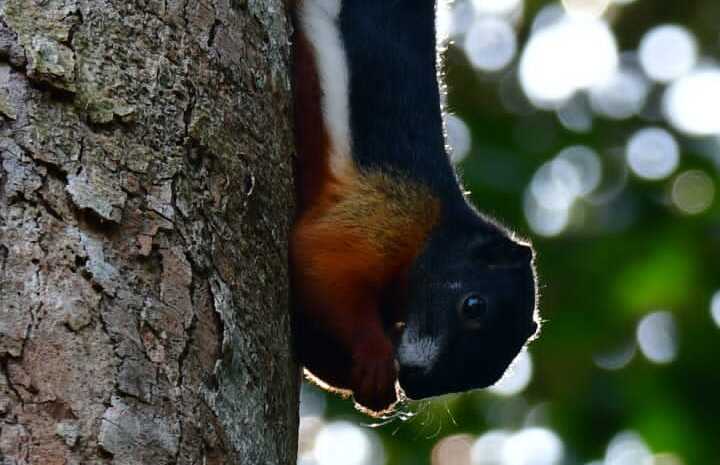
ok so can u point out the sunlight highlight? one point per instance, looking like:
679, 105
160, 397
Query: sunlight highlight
715, 308
667, 458
586, 165
488, 449
692, 103
547, 16
545, 221
528, 446
490, 44
575, 115
573, 174
307, 433
586, 7
516, 378
533, 446
616, 359
657, 337
452, 450
458, 138
653, 153
312, 401
343, 443
693, 192
496, 7
565, 56
463, 16
668, 52
624, 94
443, 20
628, 448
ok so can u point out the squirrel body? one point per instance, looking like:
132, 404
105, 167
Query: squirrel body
386, 252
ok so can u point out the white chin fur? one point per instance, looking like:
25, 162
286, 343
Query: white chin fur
418, 351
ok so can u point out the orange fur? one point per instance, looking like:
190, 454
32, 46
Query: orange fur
358, 237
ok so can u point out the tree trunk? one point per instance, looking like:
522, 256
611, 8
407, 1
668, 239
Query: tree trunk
145, 198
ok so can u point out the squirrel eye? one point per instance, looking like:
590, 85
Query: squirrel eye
473, 308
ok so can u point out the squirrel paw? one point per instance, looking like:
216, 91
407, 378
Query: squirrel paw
374, 374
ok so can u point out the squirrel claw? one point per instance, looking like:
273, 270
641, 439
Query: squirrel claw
373, 377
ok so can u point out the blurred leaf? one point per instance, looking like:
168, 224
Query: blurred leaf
661, 278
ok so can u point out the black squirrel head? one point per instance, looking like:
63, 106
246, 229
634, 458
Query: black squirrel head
471, 307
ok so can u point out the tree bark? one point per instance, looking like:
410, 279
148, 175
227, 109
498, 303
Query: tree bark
145, 199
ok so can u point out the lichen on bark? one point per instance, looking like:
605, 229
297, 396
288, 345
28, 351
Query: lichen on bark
145, 201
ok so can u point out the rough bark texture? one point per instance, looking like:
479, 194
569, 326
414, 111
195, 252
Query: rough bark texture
145, 198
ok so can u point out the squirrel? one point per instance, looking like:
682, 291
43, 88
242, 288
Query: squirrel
400, 287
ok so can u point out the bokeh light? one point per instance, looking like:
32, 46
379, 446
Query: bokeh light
586, 7
616, 359
653, 153
715, 308
668, 52
624, 94
343, 443
533, 446
458, 138
516, 378
462, 15
585, 165
693, 192
308, 431
496, 7
565, 56
545, 221
575, 115
573, 174
528, 446
628, 448
549, 14
452, 450
692, 103
488, 448
657, 337
667, 458
490, 44
556, 185
312, 401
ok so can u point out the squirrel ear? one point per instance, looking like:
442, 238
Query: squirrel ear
502, 252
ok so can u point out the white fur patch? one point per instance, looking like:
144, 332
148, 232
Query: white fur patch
318, 20
418, 351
